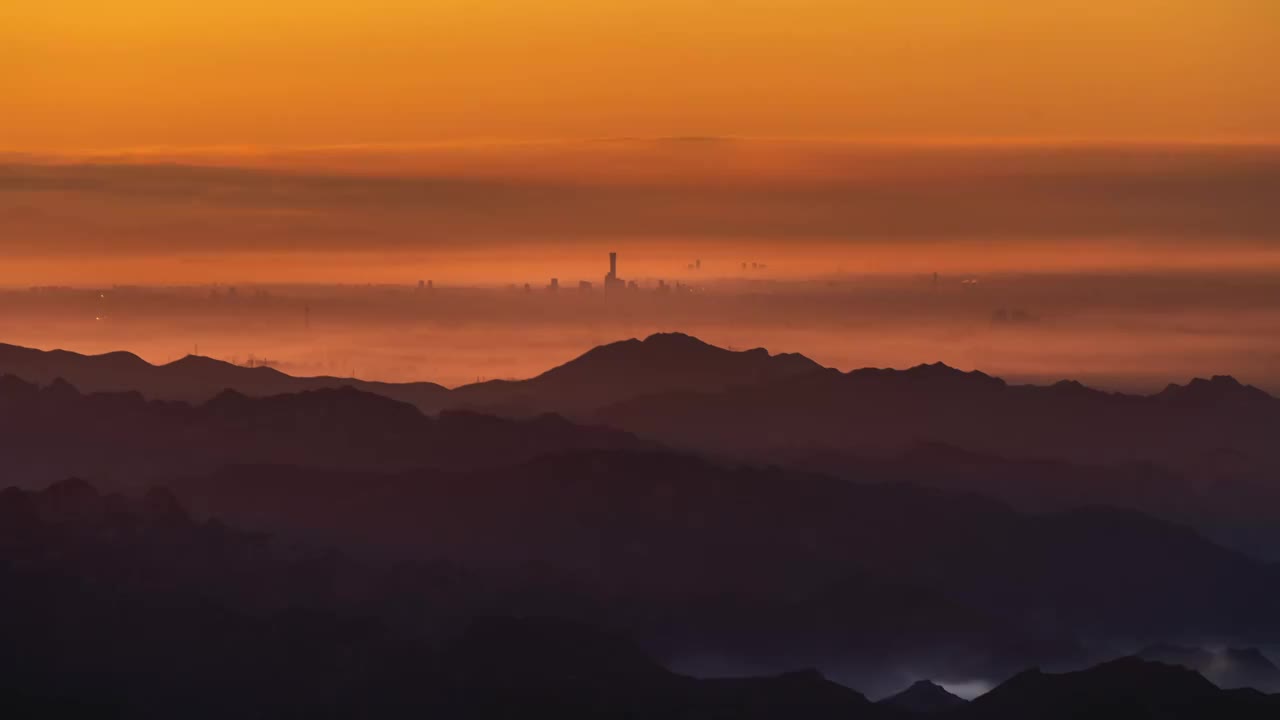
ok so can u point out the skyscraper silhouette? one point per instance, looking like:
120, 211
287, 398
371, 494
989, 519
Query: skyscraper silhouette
611, 280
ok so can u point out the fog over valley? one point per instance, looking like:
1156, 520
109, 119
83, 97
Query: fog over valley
1117, 331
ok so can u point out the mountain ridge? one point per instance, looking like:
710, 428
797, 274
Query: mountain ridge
1201, 452
45, 365
924, 696
48, 433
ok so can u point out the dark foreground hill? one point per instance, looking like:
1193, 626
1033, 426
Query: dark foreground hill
817, 566
122, 608
924, 697
1125, 689
130, 608
1225, 667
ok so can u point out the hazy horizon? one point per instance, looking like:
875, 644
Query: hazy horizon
1133, 333
501, 213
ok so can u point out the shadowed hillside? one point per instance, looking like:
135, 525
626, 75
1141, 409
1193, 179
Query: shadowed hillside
1207, 426
119, 607
192, 379
957, 573
47, 433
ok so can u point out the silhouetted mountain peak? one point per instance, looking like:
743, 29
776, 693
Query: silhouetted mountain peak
1252, 656
1155, 674
943, 370
1217, 390
676, 340
1075, 389
201, 365
73, 487
162, 505
679, 347
193, 378
227, 398
1225, 667
924, 696
196, 361
61, 388
17, 508
624, 370
11, 384
662, 345
935, 367
120, 359
1118, 688
67, 500
933, 374
681, 342
116, 360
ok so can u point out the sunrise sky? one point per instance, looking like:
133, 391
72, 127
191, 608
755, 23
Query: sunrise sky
157, 141
86, 74
487, 143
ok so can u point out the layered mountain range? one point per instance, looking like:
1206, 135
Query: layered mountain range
560, 542
682, 391
1201, 453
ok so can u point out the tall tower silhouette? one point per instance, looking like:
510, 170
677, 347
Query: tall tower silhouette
612, 281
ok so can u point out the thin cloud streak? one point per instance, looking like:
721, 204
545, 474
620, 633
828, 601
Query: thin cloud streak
657, 195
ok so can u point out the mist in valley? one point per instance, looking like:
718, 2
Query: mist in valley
1129, 332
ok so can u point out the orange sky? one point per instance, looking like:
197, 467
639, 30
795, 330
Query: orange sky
81, 74
503, 141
